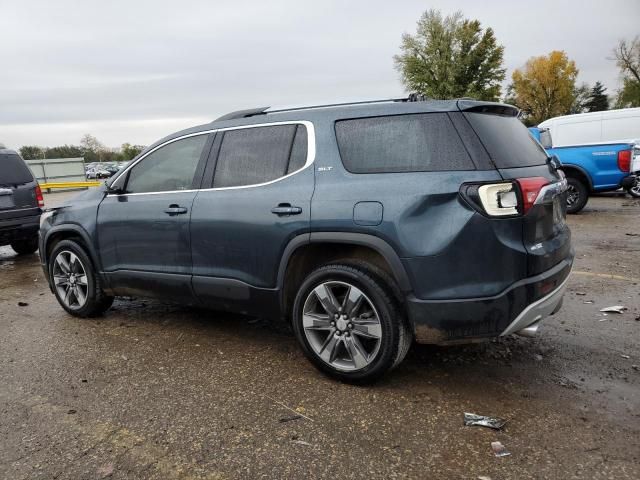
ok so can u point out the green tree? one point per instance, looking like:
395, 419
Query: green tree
627, 56
129, 151
32, 152
545, 87
598, 100
451, 57
581, 97
64, 151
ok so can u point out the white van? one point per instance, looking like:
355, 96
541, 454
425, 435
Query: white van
611, 126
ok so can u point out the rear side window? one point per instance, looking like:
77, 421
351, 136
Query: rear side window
13, 170
401, 143
507, 140
250, 156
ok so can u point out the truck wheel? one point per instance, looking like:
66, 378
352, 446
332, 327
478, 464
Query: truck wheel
349, 324
25, 246
635, 190
577, 195
74, 280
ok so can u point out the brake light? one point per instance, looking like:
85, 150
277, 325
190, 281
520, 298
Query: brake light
624, 160
39, 196
530, 188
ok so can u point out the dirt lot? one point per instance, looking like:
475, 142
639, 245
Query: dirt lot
159, 391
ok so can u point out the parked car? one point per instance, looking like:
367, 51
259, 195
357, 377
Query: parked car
595, 150
365, 225
21, 203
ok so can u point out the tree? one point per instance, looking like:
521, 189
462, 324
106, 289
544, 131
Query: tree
598, 100
32, 152
451, 57
627, 56
94, 150
581, 96
64, 151
129, 151
545, 87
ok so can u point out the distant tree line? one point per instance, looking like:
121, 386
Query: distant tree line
90, 148
453, 57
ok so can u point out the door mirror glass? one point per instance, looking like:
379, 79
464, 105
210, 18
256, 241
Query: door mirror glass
545, 138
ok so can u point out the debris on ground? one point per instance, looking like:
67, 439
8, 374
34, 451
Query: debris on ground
538, 357
588, 302
301, 442
23, 304
71, 412
471, 419
581, 293
289, 419
614, 309
625, 356
499, 450
105, 471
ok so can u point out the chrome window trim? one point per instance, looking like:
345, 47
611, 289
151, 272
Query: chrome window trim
311, 154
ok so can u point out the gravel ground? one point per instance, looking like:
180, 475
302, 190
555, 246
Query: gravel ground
160, 391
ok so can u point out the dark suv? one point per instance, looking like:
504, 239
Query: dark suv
21, 203
366, 225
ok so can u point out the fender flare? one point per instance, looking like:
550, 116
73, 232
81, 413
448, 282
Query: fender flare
363, 239
571, 166
77, 230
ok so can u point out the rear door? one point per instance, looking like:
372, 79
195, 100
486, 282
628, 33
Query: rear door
17, 188
143, 233
519, 157
258, 199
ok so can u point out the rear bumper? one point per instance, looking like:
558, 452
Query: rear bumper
16, 228
520, 306
629, 182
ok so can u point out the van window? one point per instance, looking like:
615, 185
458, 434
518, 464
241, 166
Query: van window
250, 156
507, 140
13, 170
169, 168
401, 143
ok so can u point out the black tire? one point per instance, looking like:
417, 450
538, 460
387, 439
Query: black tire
25, 246
635, 190
578, 200
395, 339
97, 302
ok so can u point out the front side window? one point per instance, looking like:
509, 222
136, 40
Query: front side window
251, 156
401, 143
169, 168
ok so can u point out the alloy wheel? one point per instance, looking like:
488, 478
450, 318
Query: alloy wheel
70, 279
342, 325
572, 195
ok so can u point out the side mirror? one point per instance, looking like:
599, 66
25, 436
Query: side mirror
545, 138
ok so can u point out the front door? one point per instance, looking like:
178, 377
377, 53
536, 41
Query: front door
143, 233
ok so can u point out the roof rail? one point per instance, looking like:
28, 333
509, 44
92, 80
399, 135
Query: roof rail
249, 112
414, 97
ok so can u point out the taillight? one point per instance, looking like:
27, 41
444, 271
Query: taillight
624, 160
530, 188
506, 198
39, 196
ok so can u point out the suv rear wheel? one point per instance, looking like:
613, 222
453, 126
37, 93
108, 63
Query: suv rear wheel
348, 323
75, 283
25, 246
577, 195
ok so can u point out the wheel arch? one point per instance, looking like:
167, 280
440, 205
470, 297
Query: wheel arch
68, 232
578, 172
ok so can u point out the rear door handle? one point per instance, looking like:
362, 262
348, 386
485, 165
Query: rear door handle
175, 209
286, 209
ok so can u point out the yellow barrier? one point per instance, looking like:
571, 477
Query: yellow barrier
69, 184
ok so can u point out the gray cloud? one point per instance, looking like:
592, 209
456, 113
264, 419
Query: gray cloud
134, 71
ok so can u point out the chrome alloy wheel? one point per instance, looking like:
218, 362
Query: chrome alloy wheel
342, 326
70, 279
572, 195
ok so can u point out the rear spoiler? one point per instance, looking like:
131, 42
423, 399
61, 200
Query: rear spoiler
488, 107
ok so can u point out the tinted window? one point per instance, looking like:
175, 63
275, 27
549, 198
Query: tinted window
401, 143
249, 156
298, 150
171, 167
13, 170
507, 140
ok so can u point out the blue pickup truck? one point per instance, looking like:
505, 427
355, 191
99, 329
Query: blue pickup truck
591, 167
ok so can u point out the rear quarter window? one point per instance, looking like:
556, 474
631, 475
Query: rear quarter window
401, 143
13, 170
507, 140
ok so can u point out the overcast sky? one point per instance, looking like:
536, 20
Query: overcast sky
133, 71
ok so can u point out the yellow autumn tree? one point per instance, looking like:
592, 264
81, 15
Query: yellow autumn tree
545, 86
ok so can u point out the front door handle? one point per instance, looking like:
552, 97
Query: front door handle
285, 209
175, 209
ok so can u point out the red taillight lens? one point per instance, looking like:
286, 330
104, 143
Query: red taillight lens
39, 196
624, 160
530, 188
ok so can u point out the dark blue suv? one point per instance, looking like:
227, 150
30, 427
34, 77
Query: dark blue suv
367, 226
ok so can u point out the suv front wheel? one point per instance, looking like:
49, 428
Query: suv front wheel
349, 324
74, 280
